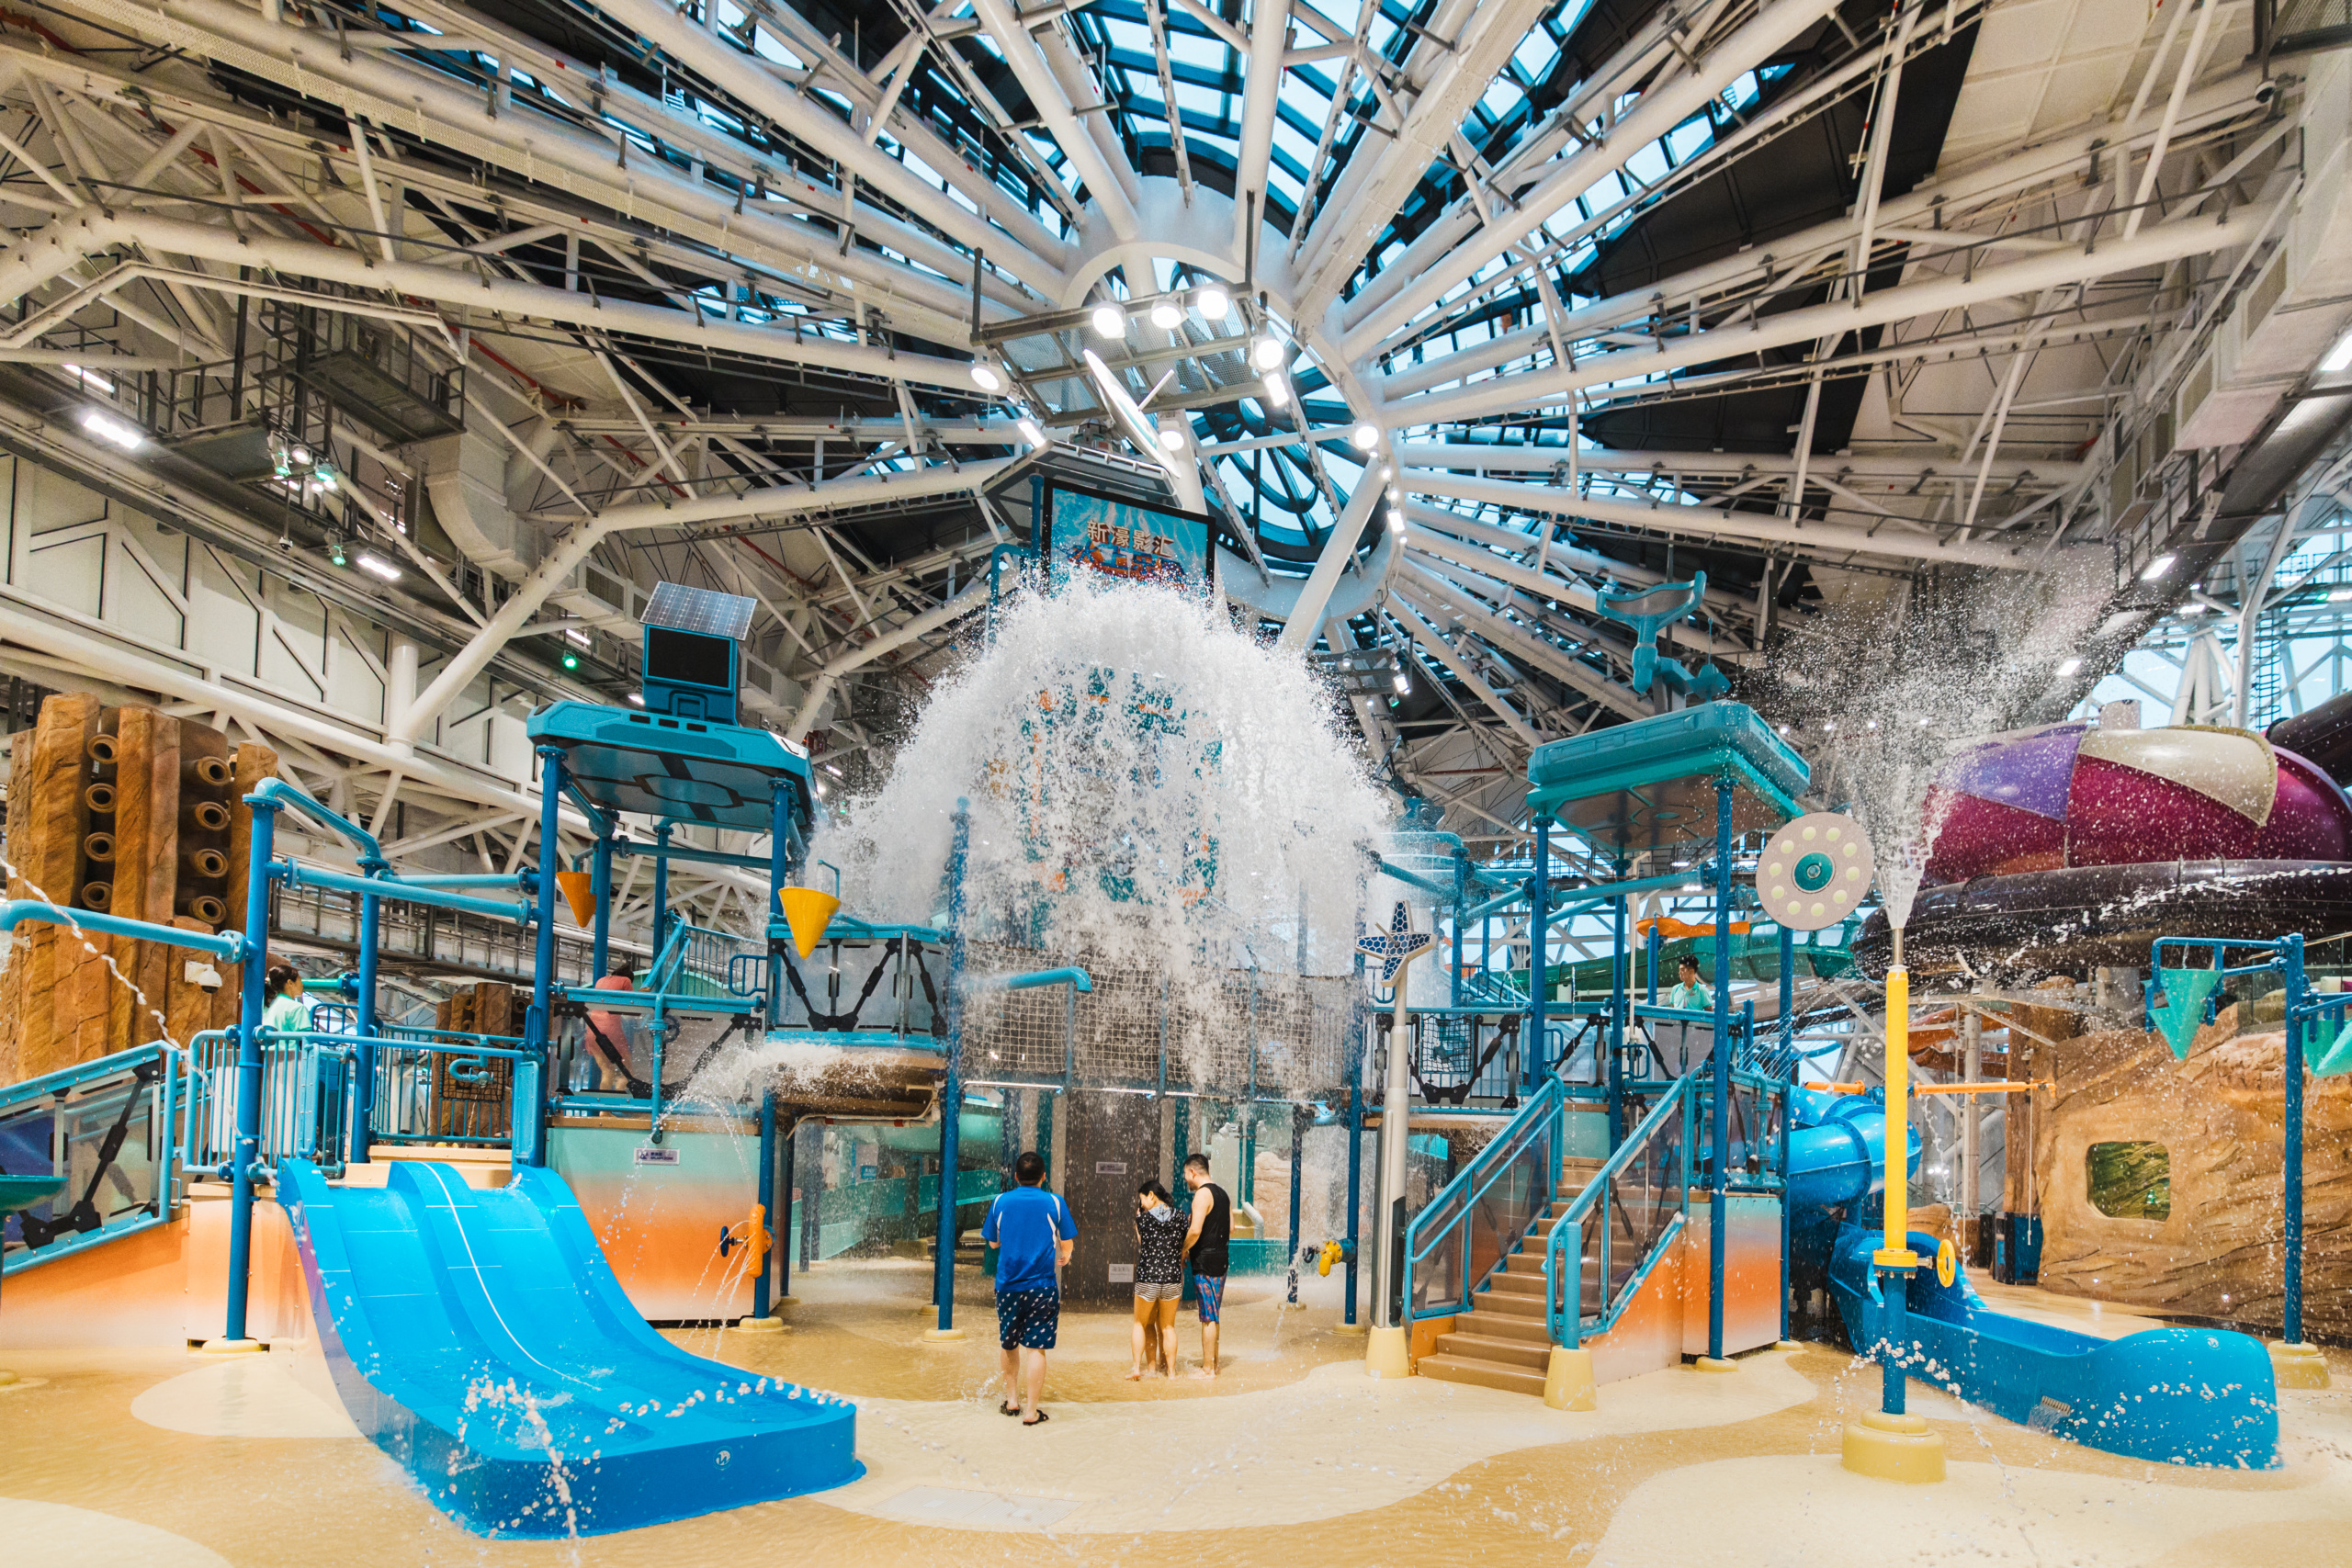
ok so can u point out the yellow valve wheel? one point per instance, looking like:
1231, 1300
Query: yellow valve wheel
1332, 1252
1947, 1264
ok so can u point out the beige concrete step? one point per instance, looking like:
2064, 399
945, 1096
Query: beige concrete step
1482, 1374
1491, 1325
1533, 1354
1511, 1303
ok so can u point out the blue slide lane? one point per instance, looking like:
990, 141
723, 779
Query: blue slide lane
2176, 1395
479, 1337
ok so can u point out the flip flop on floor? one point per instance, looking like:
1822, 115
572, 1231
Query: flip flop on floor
1041, 1420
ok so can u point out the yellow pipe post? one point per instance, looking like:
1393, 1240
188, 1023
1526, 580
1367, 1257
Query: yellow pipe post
1889, 1442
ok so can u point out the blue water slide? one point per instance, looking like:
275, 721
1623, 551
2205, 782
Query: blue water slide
2174, 1396
479, 1336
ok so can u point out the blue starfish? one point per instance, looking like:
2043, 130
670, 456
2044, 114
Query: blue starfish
1396, 947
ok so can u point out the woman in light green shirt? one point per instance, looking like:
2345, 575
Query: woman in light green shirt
282, 1006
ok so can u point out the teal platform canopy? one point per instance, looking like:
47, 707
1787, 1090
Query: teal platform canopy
1651, 785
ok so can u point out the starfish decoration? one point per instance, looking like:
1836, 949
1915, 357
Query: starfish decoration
1396, 947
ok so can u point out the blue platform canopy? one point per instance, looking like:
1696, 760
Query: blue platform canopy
685, 770
1651, 785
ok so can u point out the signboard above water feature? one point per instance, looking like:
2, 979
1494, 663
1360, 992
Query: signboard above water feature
1123, 539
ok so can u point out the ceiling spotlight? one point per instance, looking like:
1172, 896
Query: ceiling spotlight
300, 454
1213, 301
2158, 567
1366, 436
987, 380
106, 428
1167, 315
379, 567
1387, 472
1267, 354
1171, 438
1277, 389
636, 699
1403, 684
1396, 520
1108, 320
1396, 493
1032, 431
2070, 666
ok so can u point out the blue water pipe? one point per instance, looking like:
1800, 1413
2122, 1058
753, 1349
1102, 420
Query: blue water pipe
1719, 1141
1538, 966
384, 885
278, 793
245, 1151
13, 911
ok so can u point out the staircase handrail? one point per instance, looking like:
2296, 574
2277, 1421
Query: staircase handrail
182, 1086
1563, 1287
1452, 1205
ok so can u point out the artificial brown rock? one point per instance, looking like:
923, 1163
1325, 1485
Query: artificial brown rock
2220, 1115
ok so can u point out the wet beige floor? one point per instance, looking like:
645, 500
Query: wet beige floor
1291, 1458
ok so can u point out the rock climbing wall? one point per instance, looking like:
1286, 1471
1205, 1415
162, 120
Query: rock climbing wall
130, 811
2219, 1117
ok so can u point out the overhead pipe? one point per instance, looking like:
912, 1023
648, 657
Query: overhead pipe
975, 597
556, 568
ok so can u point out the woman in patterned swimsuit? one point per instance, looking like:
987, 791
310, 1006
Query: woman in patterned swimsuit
1159, 1280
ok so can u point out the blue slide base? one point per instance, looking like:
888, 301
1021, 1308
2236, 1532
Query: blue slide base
478, 1338
2190, 1396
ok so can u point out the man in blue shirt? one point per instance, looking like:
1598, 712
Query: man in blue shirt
1033, 1233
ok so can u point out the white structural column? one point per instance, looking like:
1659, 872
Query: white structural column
1262, 98
1061, 115
1306, 618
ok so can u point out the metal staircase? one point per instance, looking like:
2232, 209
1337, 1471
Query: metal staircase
1504, 1340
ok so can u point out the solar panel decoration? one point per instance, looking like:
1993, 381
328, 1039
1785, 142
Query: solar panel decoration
693, 659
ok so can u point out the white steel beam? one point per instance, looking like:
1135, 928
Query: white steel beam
1338, 547
1262, 98
1063, 115
2150, 248
1430, 637
864, 653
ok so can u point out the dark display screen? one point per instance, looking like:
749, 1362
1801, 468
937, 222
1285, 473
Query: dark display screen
689, 659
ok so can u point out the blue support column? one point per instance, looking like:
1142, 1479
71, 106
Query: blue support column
1539, 943
660, 888
1355, 1184
2298, 996
1461, 880
1620, 985
1894, 1329
951, 1100
779, 879
1719, 1140
776, 1226
600, 882
245, 1153
1788, 1110
1649, 962
528, 1146
362, 1066
1298, 1116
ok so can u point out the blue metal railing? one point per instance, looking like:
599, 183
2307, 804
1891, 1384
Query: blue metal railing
1644, 1191
1482, 1216
116, 1130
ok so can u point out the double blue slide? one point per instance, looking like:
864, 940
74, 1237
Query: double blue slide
2175, 1395
481, 1339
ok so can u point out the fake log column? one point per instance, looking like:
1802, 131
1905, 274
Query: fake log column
135, 812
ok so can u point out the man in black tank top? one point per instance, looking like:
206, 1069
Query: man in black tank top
1204, 1245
